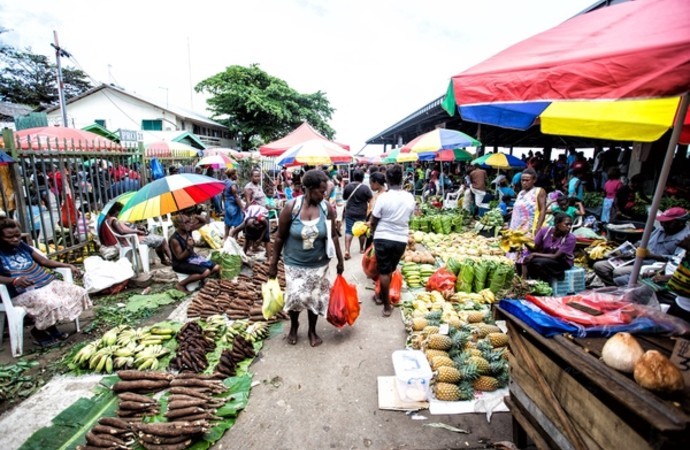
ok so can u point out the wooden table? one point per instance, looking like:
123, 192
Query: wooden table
563, 396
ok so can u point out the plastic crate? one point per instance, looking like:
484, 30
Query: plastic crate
573, 282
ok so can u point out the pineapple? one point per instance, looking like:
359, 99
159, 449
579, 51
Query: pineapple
482, 364
434, 316
440, 342
474, 352
497, 368
432, 353
447, 392
486, 384
486, 328
419, 323
440, 361
475, 316
430, 329
454, 322
468, 372
447, 374
498, 339
466, 390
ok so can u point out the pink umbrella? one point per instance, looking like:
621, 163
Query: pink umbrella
61, 138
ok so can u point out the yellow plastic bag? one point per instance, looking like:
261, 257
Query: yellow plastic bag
211, 236
273, 298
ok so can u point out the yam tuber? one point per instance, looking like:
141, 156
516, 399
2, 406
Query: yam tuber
141, 385
656, 372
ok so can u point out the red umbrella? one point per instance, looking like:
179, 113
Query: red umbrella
61, 138
299, 135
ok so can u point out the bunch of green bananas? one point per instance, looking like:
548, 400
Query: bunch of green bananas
256, 331
215, 327
125, 347
236, 328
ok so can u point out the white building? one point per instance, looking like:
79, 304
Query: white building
116, 109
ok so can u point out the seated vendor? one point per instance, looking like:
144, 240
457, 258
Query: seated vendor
184, 259
679, 284
255, 227
662, 245
153, 241
45, 299
553, 251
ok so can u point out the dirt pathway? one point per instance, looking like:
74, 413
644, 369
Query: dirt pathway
326, 397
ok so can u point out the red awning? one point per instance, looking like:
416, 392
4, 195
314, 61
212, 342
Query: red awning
303, 133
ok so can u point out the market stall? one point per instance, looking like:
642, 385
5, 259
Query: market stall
563, 396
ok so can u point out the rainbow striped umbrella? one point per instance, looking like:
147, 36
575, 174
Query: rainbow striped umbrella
167, 149
396, 156
315, 152
499, 161
122, 198
170, 194
440, 139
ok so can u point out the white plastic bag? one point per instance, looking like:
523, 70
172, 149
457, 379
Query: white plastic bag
100, 274
231, 247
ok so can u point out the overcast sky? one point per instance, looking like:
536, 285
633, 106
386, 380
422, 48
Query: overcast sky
376, 60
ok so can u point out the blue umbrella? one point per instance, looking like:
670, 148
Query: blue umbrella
5, 158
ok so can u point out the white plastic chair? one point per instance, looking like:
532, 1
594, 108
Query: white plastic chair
164, 225
191, 287
140, 253
15, 315
451, 200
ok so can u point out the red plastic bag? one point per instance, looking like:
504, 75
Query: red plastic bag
442, 280
395, 288
369, 265
68, 212
343, 306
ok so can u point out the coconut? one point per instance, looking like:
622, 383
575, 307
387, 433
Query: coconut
622, 352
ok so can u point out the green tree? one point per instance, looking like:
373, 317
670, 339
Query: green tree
258, 107
30, 79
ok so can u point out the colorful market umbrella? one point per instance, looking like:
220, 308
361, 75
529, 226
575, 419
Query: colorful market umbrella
396, 156
440, 139
456, 154
162, 149
219, 161
234, 154
122, 198
62, 138
587, 77
170, 194
315, 152
5, 159
499, 161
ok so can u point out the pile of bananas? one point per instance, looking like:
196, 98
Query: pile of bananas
485, 296
215, 327
416, 275
236, 328
124, 347
360, 228
512, 240
599, 249
257, 331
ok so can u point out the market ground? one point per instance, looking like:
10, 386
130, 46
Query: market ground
323, 397
326, 397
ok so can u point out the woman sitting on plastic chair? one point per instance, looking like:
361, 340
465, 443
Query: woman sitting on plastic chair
46, 299
153, 241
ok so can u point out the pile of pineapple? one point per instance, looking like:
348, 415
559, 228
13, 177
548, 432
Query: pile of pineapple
471, 356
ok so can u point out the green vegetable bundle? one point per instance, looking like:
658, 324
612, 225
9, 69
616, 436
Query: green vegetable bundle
465, 277
447, 224
457, 223
414, 223
510, 274
542, 288
437, 224
481, 272
498, 278
424, 224
454, 266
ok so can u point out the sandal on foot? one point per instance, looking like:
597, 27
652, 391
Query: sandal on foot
387, 312
42, 338
377, 300
54, 333
347, 256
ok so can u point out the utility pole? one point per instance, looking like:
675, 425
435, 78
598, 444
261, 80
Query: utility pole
61, 84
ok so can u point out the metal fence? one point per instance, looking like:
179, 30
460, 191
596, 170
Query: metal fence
58, 190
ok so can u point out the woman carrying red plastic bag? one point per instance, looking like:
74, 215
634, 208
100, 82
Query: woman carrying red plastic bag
343, 305
389, 226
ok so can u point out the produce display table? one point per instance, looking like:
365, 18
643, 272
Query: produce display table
563, 396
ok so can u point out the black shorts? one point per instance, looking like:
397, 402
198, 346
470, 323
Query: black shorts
256, 235
388, 254
189, 269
